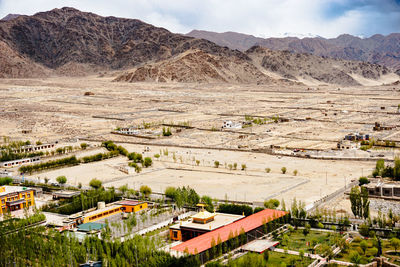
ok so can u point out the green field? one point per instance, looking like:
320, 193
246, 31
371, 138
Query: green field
297, 240
276, 259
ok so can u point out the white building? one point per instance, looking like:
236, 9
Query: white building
231, 125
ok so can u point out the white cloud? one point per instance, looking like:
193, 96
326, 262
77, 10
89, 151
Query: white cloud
258, 17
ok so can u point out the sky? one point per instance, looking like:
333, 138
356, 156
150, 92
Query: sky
263, 18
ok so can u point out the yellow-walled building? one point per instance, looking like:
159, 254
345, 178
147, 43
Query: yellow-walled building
15, 198
122, 206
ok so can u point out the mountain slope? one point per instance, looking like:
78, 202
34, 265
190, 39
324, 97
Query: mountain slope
306, 67
14, 65
233, 40
197, 66
378, 49
61, 36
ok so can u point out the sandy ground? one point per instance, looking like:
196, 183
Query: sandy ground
56, 109
315, 178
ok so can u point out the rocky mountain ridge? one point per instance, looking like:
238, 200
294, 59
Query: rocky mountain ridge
377, 49
69, 42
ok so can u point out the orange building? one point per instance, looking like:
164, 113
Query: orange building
15, 198
132, 205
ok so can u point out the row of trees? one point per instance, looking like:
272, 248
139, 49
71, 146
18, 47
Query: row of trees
359, 202
387, 171
37, 247
69, 161
182, 196
84, 201
10, 224
100, 156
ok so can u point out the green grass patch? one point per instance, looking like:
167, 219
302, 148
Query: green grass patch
297, 241
276, 259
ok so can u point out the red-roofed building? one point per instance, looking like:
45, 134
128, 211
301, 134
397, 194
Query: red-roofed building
251, 225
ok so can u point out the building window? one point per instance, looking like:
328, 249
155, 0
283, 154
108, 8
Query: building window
175, 234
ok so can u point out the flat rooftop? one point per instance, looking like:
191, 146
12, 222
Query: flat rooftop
220, 219
203, 242
113, 206
259, 245
129, 202
14, 189
66, 193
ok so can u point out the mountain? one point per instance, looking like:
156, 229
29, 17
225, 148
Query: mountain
199, 67
67, 35
10, 17
232, 40
310, 68
378, 49
69, 42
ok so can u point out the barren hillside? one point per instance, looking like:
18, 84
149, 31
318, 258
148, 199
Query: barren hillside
197, 66
377, 49
301, 67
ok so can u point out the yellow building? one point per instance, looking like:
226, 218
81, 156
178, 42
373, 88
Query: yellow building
15, 198
118, 207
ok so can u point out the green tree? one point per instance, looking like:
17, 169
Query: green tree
306, 229
95, 183
84, 146
61, 179
395, 243
363, 181
235, 166
379, 167
355, 201
157, 156
216, 164
271, 203
364, 202
355, 258
364, 246
123, 189
147, 162
145, 190
283, 169
267, 170
244, 167
295, 172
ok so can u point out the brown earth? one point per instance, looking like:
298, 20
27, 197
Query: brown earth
378, 49
333, 71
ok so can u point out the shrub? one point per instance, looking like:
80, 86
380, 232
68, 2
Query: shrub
235, 209
147, 162
216, 164
267, 170
95, 183
235, 166
145, 190
283, 169
5, 180
295, 172
166, 132
84, 146
271, 204
61, 179
244, 167
362, 181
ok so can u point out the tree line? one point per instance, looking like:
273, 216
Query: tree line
386, 170
40, 247
84, 201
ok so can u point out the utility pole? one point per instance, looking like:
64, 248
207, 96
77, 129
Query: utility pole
326, 177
